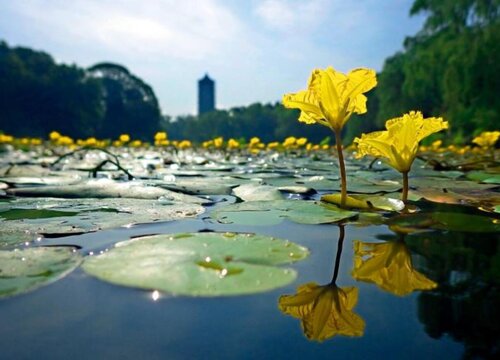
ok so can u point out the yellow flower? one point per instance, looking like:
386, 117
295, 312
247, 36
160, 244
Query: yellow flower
389, 266
301, 141
325, 311
273, 145
124, 138
399, 143
160, 135
54, 135
218, 141
207, 144
332, 97
36, 141
255, 141
184, 144
64, 141
233, 144
6, 138
136, 143
487, 139
289, 141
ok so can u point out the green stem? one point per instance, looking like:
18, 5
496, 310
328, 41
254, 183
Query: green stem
404, 195
343, 177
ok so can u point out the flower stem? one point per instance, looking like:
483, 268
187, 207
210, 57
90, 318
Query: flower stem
404, 195
343, 178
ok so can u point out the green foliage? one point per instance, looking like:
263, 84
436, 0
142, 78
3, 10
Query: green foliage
269, 122
39, 96
449, 69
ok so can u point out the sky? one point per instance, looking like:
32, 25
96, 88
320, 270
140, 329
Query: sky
255, 50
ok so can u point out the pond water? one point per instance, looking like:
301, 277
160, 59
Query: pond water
81, 317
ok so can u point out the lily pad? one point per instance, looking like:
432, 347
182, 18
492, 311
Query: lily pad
105, 188
273, 212
366, 202
64, 217
27, 269
199, 264
253, 192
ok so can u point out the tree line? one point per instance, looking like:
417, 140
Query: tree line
449, 68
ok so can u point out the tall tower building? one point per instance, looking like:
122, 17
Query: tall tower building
206, 95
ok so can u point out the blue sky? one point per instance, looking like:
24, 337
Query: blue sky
256, 50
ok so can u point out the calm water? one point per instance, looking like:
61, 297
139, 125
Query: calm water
80, 317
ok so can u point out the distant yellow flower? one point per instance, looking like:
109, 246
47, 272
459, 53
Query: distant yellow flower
136, 143
218, 141
54, 135
273, 145
184, 144
36, 141
487, 139
6, 138
255, 141
399, 143
160, 135
289, 141
64, 141
332, 97
389, 266
325, 311
301, 141
233, 144
208, 144
124, 138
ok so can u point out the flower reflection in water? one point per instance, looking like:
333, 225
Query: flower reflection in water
325, 310
389, 266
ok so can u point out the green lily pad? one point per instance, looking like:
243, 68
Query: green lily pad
199, 264
273, 212
105, 188
25, 270
64, 217
253, 192
446, 221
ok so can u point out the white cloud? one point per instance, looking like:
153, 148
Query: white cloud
288, 15
181, 29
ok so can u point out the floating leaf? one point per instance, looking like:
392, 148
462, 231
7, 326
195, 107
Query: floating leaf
75, 216
366, 202
105, 188
273, 212
199, 264
253, 192
27, 269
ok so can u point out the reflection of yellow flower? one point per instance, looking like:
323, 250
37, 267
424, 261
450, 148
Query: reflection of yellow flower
332, 97
389, 266
325, 311
399, 143
487, 139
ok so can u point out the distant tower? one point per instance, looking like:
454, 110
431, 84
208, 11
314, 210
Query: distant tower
206, 95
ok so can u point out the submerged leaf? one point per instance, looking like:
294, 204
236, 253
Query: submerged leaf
199, 264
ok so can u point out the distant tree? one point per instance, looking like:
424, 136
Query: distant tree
37, 95
130, 104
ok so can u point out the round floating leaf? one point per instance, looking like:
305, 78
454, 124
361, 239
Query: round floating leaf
366, 202
199, 264
254, 192
61, 217
273, 212
28, 269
